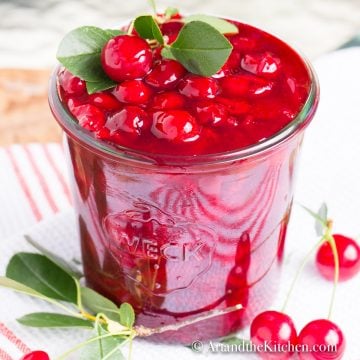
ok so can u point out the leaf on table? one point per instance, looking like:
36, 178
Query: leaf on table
44, 319
43, 275
97, 303
234, 340
109, 348
16, 286
127, 315
69, 268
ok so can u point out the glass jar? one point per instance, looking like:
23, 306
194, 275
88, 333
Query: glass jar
177, 236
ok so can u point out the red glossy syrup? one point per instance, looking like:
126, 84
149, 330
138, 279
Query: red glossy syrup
258, 91
178, 241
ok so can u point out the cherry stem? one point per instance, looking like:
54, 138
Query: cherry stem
142, 331
299, 271
329, 237
131, 28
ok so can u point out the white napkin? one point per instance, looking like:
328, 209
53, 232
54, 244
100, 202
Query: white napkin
329, 170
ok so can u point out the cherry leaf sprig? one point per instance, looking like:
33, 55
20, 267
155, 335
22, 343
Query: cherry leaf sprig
200, 47
148, 28
50, 278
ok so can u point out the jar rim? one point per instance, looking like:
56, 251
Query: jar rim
78, 133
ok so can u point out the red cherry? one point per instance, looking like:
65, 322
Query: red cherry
126, 57
157, 53
242, 43
132, 92
103, 134
89, 116
243, 85
198, 87
131, 119
325, 339
168, 100
36, 355
105, 101
275, 329
231, 66
175, 125
171, 30
235, 106
166, 74
349, 258
209, 113
71, 84
261, 64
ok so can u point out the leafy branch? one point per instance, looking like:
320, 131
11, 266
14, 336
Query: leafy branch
50, 278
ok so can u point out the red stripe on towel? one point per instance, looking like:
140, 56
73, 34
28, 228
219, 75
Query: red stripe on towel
14, 339
41, 180
57, 172
24, 185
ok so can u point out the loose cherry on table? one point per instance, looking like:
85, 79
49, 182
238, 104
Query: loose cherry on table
322, 333
126, 57
349, 258
36, 355
274, 328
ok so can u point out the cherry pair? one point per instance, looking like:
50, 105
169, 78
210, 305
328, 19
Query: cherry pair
319, 340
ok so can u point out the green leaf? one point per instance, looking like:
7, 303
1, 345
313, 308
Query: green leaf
127, 315
115, 32
14, 285
201, 49
43, 319
221, 25
97, 303
322, 214
80, 50
70, 269
234, 340
105, 84
43, 275
170, 11
148, 28
320, 221
166, 53
108, 348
